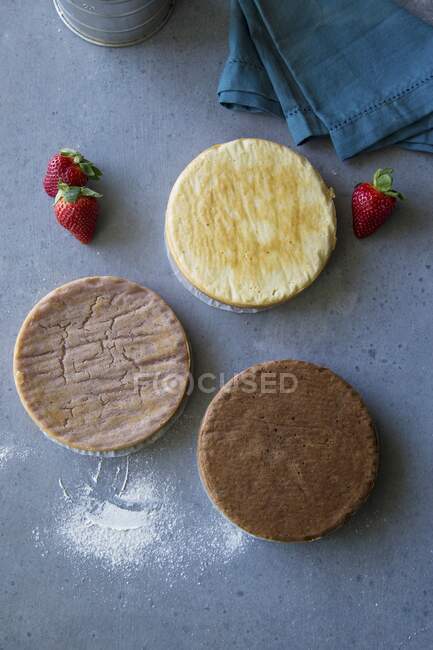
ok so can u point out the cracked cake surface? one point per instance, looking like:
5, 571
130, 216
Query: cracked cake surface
288, 451
101, 364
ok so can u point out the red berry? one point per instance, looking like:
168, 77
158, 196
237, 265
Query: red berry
57, 166
373, 204
77, 210
69, 167
73, 175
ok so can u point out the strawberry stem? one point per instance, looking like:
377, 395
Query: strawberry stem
383, 180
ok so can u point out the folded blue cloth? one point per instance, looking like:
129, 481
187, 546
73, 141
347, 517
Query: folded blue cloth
360, 71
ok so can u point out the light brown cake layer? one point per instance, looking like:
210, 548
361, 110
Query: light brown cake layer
287, 451
101, 364
250, 223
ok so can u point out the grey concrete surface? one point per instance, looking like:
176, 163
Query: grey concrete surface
141, 114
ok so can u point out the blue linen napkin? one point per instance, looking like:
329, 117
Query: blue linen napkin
360, 71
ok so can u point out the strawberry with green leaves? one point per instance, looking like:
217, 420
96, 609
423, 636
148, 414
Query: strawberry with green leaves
373, 203
69, 167
77, 210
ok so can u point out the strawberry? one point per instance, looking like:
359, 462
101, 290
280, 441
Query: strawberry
73, 175
55, 170
77, 210
373, 204
69, 167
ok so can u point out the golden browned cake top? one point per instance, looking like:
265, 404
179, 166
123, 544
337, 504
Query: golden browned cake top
101, 364
250, 223
287, 451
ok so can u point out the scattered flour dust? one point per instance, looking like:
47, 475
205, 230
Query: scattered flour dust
8, 454
143, 525
5, 455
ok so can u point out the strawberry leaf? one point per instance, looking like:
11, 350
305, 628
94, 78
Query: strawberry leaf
90, 170
396, 195
97, 173
383, 180
86, 191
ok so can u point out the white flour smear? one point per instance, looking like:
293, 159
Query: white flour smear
142, 525
8, 454
5, 455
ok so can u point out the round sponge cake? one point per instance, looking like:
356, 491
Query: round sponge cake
287, 451
102, 365
250, 223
